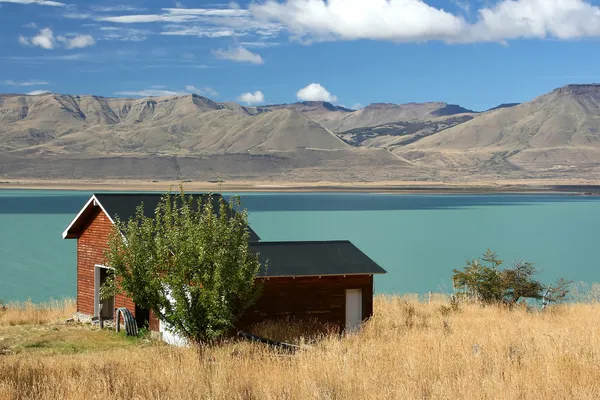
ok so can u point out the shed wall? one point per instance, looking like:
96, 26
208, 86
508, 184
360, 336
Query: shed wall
91, 245
302, 297
309, 297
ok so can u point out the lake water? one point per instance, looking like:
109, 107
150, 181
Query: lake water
418, 239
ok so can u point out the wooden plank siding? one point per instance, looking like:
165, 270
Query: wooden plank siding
309, 297
301, 297
154, 325
91, 245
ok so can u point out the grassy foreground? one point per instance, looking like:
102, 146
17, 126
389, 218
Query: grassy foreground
409, 350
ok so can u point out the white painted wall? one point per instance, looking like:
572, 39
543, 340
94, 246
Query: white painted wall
168, 336
166, 331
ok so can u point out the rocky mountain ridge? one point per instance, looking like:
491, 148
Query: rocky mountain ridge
555, 133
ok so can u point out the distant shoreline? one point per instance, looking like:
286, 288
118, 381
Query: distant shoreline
408, 187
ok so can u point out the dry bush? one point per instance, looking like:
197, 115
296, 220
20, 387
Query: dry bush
408, 350
23, 313
584, 292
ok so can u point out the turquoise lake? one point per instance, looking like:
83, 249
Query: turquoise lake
417, 238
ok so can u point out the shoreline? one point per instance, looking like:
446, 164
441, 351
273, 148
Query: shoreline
408, 187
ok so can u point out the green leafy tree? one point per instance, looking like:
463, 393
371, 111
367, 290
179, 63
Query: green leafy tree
192, 266
484, 280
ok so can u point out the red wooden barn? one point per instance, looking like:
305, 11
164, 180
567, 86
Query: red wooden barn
328, 280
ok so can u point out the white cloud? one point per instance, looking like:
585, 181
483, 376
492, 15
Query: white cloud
172, 66
357, 106
238, 54
178, 15
162, 90
124, 34
417, 21
205, 91
38, 2
252, 98
42, 59
121, 7
210, 91
562, 19
315, 92
77, 41
44, 39
122, 38
78, 15
213, 12
36, 92
259, 44
31, 25
23, 40
146, 18
399, 20
463, 5
32, 82
205, 22
201, 31
71, 57
149, 92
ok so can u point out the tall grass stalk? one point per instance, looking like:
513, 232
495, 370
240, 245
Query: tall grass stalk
27, 312
408, 350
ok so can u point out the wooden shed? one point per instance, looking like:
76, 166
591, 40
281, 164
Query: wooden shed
328, 280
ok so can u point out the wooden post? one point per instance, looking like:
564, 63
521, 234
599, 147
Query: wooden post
118, 321
100, 316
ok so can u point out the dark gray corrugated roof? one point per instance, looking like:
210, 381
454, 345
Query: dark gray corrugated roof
313, 259
124, 205
291, 258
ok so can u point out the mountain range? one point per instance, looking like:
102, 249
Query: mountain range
69, 136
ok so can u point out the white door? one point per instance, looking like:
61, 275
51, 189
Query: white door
353, 309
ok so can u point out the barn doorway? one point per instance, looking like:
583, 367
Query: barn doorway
142, 317
354, 315
102, 307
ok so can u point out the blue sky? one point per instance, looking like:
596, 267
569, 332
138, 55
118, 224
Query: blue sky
351, 52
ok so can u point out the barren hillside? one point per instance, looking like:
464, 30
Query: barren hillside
61, 136
170, 137
558, 130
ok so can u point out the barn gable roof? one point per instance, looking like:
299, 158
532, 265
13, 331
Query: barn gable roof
124, 205
316, 258
282, 259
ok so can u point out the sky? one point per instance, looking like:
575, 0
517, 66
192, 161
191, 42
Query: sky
477, 53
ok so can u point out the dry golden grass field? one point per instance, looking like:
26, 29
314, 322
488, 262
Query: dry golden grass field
408, 350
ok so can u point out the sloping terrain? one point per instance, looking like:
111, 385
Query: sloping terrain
503, 105
64, 136
180, 124
384, 113
382, 125
170, 125
169, 137
558, 130
340, 119
396, 134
